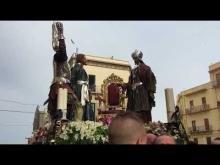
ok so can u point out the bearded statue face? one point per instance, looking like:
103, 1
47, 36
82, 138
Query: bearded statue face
136, 60
81, 58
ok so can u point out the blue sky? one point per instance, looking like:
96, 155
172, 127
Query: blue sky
179, 53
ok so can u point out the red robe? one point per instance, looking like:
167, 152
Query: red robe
140, 99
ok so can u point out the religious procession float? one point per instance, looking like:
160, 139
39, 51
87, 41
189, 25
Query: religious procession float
69, 103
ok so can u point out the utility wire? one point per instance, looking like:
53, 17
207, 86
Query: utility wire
17, 102
15, 122
4, 125
7, 110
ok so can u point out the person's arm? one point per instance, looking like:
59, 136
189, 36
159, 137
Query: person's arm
124, 86
58, 43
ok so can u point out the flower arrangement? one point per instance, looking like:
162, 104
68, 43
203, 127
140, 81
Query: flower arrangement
105, 120
156, 128
40, 136
90, 132
159, 128
83, 132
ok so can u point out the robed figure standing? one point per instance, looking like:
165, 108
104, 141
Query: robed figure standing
141, 88
79, 83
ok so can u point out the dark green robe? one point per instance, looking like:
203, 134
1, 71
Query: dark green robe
78, 73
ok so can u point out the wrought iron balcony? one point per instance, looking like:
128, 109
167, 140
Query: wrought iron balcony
200, 129
216, 83
198, 108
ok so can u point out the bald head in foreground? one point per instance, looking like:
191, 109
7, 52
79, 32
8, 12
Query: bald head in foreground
151, 138
216, 141
164, 139
127, 128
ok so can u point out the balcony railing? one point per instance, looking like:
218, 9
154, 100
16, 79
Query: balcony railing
199, 108
200, 129
216, 83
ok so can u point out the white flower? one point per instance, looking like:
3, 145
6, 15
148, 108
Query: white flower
82, 136
52, 141
64, 136
71, 131
76, 136
175, 137
103, 139
85, 131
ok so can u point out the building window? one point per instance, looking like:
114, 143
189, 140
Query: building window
204, 105
92, 83
218, 104
191, 104
206, 122
203, 101
209, 140
196, 140
193, 125
218, 77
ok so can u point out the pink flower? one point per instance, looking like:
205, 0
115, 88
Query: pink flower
105, 120
109, 120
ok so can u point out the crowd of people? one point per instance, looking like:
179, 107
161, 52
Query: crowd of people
128, 128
